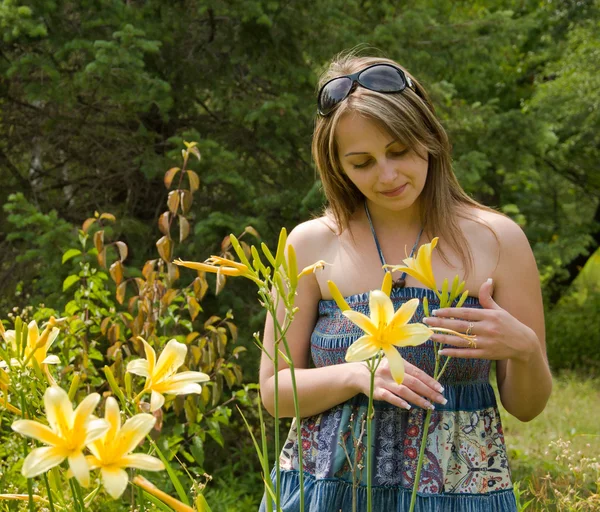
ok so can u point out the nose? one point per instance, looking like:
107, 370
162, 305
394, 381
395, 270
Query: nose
388, 171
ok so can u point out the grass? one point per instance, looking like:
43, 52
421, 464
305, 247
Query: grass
549, 455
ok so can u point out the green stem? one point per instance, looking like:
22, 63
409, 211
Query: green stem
370, 414
296, 410
29, 484
74, 484
50, 502
420, 463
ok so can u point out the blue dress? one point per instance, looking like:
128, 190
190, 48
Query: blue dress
465, 466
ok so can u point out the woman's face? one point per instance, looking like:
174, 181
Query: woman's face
388, 174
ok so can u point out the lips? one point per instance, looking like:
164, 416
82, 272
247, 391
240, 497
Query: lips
395, 191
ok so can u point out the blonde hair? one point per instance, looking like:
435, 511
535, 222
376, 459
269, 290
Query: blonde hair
410, 117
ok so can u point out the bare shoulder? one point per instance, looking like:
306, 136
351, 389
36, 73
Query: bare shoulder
509, 235
312, 238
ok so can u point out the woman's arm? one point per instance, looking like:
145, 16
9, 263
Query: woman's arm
510, 328
320, 389
524, 380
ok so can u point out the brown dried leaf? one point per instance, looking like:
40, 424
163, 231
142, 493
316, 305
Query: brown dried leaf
246, 247
200, 287
99, 240
169, 296
113, 350
173, 201
212, 320
108, 216
104, 325
132, 302
225, 244
121, 292
148, 268
169, 175
165, 248
173, 272
233, 330
87, 223
191, 337
184, 228
195, 151
193, 307
186, 200
114, 333
194, 181
102, 258
220, 283
123, 250
163, 223
116, 272
252, 231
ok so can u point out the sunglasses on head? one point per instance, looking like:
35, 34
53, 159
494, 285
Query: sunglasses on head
377, 77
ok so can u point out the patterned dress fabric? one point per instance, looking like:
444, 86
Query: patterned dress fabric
465, 466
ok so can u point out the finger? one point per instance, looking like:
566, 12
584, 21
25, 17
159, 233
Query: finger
448, 339
387, 396
421, 389
465, 353
411, 369
446, 323
413, 398
472, 314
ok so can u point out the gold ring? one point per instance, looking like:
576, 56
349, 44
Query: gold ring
469, 329
473, 342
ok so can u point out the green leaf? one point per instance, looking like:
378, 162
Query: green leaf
69, 281
71, 253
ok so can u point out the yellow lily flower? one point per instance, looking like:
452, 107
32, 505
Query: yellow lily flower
218, 265
37, 346
386, 330
162, 377
111, 452
68, 434
420, 267
311, 269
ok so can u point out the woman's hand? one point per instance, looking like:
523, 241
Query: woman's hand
417, 384
499, 335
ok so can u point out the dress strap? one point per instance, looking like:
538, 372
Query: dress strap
403, 277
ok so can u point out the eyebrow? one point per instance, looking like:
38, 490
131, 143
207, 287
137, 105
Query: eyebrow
364, 152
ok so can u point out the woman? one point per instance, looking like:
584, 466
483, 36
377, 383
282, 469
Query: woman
384, 161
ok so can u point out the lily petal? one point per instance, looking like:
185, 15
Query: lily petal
141, 461
51, 360
150, 356
381, 308
363, 348
412, 335
170, 359
113, 416
180, 388
59, 410
80, 468
190, 377
396, 363
93, 462
404, 313
41, 460
363, 321
114, 480
133, 432
95, 428
84, 411
138, 367
37, 431
156, 401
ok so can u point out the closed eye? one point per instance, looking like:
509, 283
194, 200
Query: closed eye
395, 154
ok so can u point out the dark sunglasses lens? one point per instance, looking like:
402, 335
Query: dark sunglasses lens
334, 92
382, 79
